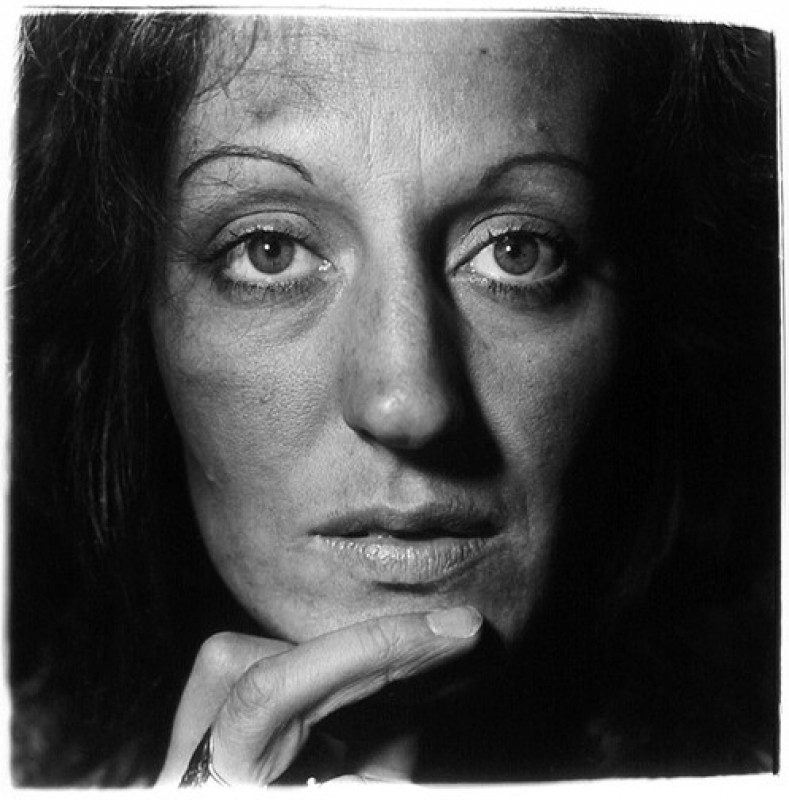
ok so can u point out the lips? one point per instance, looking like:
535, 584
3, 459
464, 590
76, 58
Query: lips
419, 546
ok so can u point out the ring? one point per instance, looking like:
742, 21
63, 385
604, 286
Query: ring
200, 769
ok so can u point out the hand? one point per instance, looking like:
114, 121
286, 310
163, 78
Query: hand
261, 696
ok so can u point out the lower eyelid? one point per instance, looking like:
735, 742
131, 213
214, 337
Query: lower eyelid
274, 292
540, 294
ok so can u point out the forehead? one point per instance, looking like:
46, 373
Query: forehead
305, 58
427, 87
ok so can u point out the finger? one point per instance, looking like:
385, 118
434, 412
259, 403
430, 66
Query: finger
221, 661
268, 714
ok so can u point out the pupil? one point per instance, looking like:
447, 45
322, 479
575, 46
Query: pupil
270, 253
516, 254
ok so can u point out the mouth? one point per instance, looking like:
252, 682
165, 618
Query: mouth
412, 548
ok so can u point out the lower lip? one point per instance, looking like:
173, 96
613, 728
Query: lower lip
386, 559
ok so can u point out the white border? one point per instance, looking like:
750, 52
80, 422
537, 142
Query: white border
765, 14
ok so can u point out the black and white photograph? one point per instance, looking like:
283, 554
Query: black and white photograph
394, 397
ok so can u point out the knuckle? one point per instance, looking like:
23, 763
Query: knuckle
258, 688
217, 654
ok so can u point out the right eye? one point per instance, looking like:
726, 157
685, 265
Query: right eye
518, 258
260, 256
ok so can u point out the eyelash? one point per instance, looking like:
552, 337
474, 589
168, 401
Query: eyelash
244, 290
545, 291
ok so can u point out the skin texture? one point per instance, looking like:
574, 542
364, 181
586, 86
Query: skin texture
393, 376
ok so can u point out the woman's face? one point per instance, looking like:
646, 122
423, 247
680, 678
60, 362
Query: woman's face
380, 326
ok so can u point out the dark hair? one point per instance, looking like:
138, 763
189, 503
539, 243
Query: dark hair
95, 457
111, 590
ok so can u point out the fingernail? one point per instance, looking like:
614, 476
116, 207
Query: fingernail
456, 623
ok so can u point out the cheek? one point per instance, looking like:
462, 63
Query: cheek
247, 407
244, 404
541, 388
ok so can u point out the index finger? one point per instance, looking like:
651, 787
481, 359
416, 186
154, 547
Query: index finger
271, 708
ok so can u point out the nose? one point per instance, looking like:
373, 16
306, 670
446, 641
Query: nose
401, 386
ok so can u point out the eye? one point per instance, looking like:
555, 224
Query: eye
260, 256
518, 257
270, 253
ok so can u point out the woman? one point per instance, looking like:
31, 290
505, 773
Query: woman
409, 385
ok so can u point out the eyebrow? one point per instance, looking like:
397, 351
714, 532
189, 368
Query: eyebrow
237, 151
497, 171
490, 177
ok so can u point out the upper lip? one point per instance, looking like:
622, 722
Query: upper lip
429, 521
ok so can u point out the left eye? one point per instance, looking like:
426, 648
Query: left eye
265, 254
519, 255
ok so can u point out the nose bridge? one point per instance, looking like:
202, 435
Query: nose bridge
399, 387
397, 314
